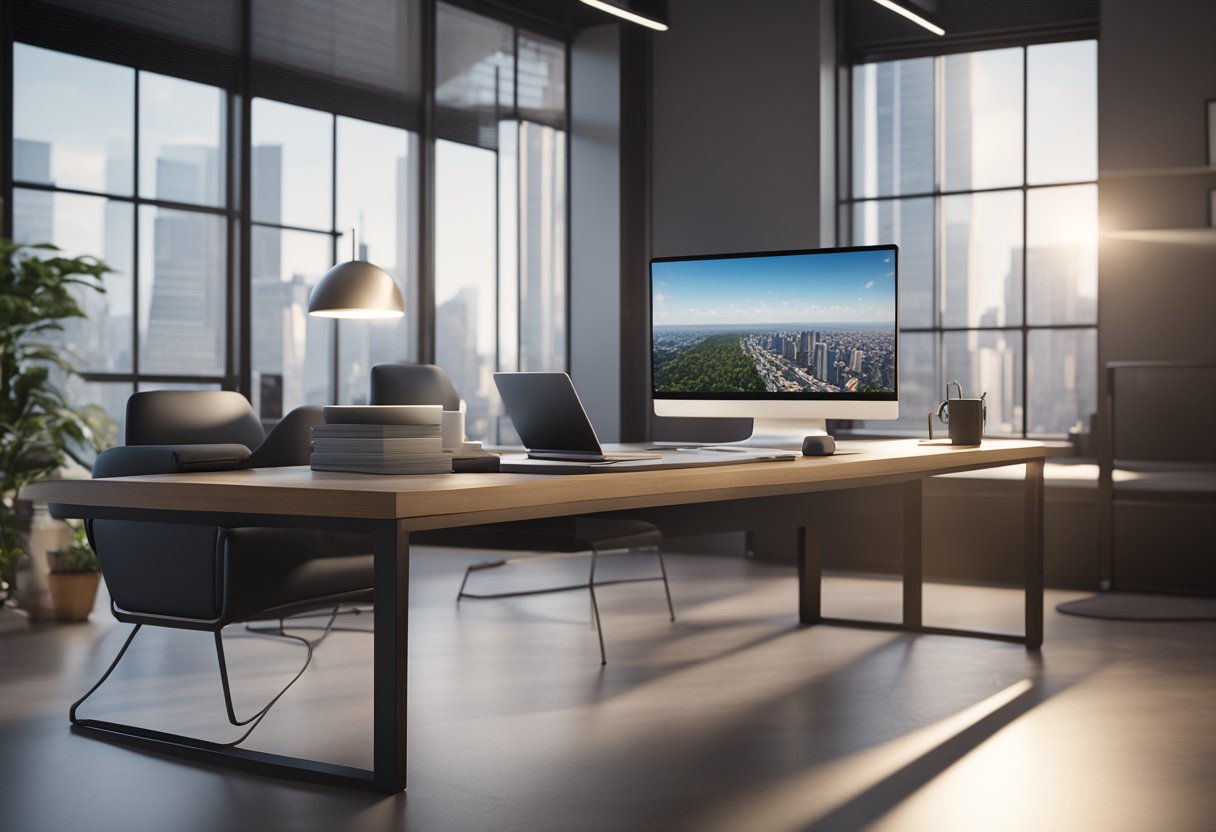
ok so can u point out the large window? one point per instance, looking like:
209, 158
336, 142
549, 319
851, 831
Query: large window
128, 166
500, 209
981, 167
325, 188
220, 204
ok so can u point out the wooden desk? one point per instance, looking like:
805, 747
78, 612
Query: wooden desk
388, 509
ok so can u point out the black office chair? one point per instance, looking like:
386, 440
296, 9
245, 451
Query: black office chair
556, 538
203, 577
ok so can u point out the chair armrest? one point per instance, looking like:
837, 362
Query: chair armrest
132, 460
290, 441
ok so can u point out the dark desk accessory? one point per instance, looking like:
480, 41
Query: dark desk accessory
964, 417
477, 462
818, 446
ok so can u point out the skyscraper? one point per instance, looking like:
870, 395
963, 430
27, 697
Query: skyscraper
821, 361
456, 352
33, 211
185, 322
276, 356
1060, 376
542, 242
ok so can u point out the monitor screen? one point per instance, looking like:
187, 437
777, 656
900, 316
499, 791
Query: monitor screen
818, 325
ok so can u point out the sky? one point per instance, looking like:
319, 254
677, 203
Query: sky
1059, 91
838, 287
368, 156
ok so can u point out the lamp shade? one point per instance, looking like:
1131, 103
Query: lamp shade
356, 289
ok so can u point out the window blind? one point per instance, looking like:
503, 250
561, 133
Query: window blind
474, 76
359, 58
542, 80
486, 72
186, 38
872, 33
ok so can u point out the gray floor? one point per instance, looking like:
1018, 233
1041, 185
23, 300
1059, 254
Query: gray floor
731, 719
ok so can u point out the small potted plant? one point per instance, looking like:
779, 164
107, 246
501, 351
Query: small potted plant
75, 574
39, 427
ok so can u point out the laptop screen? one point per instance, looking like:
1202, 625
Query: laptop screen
546, 412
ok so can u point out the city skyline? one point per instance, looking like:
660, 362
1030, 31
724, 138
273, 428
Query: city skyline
973, 280
176, 150
833, 358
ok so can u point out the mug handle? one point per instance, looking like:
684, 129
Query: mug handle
943, 408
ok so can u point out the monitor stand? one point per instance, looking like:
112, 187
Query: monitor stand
780, 434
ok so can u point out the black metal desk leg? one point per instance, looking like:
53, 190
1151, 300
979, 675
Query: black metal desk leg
913, 549
1033, 513
810, 574
391, 550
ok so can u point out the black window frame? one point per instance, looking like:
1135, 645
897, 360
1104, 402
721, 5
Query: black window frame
847, 200
234, 79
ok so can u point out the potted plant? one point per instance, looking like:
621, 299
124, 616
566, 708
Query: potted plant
39, 429
75, 574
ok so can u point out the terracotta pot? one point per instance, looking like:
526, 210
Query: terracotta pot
74, 594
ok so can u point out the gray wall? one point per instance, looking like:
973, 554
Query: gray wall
743, 118
1157, 268
1157, 260
595, 213
737, 121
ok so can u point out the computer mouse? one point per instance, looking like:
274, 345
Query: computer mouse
818, 446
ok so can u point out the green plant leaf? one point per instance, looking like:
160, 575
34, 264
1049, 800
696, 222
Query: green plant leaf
39, 428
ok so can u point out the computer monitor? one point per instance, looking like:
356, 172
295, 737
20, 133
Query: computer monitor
788, 338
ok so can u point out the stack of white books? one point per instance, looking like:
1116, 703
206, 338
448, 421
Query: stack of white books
376, 439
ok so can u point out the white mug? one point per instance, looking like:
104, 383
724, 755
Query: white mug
453, 430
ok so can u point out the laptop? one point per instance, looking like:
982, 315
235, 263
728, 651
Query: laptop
552, 424
551, 421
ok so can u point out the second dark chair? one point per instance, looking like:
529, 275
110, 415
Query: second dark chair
555, 538
204, 577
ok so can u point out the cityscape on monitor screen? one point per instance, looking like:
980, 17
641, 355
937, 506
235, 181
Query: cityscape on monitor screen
776, 360
803, 323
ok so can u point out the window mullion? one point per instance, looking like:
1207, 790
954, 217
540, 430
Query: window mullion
335, 331
135, 258
849, 204
1025, 239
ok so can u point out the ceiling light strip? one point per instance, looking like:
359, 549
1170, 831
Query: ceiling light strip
632, 17
900, 10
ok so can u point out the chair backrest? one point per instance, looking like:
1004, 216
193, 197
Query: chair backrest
192, 417
413, 384
290, 441
1161, 411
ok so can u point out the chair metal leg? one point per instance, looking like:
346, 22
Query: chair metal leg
257, 717
595, 608
252, 721
590, 586
122, 652
666, 588
475, 567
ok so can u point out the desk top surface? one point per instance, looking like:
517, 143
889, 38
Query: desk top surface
441, 500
